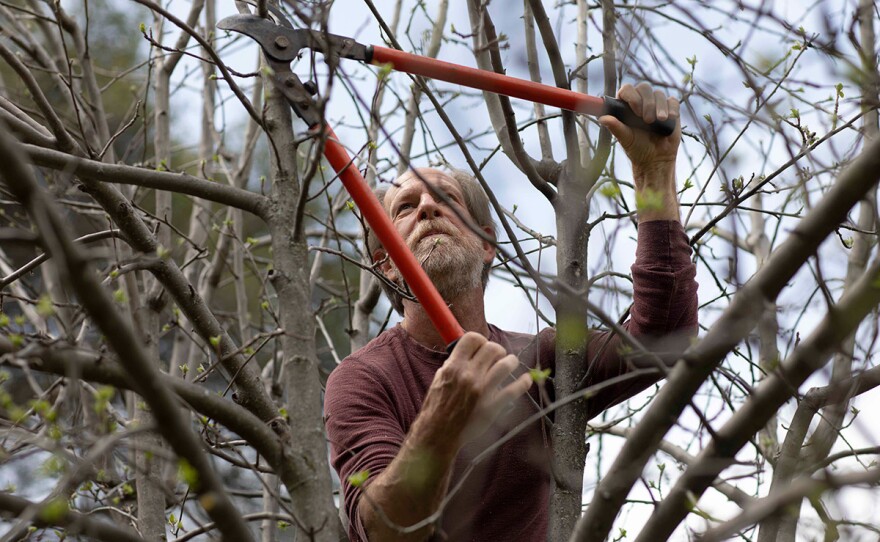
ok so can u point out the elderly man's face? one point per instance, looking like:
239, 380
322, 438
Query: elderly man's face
449, 251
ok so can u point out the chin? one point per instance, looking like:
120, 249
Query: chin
454, 280
453, 266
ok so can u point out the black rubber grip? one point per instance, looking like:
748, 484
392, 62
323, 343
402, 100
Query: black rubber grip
621, 111
451, 346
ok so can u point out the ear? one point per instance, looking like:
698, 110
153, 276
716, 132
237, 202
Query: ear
488, 248
379, 255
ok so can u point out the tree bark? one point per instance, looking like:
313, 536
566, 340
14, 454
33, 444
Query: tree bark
570, 421
311, 495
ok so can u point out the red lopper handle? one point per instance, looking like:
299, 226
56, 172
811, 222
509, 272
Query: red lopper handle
516, 88
412, 272
486, 80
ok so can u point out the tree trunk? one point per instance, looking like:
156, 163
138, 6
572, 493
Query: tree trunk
570, 421
311, 495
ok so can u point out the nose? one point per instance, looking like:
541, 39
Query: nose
428, 207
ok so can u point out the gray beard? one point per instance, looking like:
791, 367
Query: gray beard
454, 264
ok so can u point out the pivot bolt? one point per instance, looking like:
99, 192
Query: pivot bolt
282, 42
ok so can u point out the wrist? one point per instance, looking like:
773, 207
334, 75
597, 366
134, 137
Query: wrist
655, 175
656, 196
437, 429
440, 441
657, 205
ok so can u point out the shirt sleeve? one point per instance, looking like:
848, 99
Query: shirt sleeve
663, 316
364, 431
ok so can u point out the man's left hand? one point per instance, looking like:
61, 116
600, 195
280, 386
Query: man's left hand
652, 156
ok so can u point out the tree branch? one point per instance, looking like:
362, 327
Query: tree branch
790, 453
33, 264
81, 279
772, 393
94, 367
527, 163
210, 50
776, 503
735, 494
159, 180
734, 324
72, 522
55, 124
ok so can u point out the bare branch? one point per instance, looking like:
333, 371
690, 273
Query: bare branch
773, 392
122, 339
210, 50
160, 180
800, 488
73, 522
698, 362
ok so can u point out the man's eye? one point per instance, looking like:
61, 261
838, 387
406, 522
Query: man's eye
404, 207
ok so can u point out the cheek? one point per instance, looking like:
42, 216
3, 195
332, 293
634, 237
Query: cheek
403, 226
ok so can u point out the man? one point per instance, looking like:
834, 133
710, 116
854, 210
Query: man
415, 434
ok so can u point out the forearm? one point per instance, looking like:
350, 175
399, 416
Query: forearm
414, 484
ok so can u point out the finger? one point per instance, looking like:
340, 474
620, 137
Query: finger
507, 395
661, 105
467, 346
515, 390
631, 96
488, 353
649, 113
501, 371
674, 107
621, 131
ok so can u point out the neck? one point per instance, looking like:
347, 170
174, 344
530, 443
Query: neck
467, 308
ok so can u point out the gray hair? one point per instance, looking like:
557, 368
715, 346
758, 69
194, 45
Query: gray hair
475, 201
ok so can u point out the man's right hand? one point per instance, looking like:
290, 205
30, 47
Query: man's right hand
467, 394
474, 387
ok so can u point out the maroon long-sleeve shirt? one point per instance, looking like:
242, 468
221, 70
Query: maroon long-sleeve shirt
375, 394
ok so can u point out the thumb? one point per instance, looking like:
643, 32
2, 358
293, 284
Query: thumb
621, 131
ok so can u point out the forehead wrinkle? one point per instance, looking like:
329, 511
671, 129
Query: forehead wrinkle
432, 179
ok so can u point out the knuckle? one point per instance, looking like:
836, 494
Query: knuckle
467, 345
453, 378
466, 379
469, 386
472, 338
495, 350
627, 93
446, 373
510, 362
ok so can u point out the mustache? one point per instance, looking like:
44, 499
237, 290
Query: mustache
430, 227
